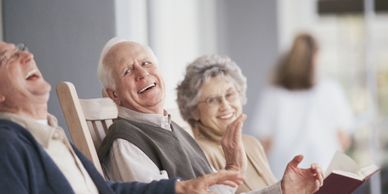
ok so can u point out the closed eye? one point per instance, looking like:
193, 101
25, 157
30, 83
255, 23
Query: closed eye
8, 56
127, 70
146, 64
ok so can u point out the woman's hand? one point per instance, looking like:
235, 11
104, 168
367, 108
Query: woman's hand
233, 147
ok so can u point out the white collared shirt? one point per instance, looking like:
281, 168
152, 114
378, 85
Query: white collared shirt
54, 141
157, 120
126, 162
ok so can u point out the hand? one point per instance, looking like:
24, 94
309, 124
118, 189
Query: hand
200, 185
301, 181
233, 147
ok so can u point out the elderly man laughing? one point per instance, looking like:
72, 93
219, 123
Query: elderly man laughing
36, 156
143, 144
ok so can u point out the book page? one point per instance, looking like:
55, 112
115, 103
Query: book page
368, 170
348, 174
342, 162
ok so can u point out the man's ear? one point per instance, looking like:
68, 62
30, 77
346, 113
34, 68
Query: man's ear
2, 98
113, 95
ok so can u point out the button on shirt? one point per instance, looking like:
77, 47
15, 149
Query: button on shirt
54, 141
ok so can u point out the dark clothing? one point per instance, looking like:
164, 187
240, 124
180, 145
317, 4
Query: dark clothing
25, 167
174, 151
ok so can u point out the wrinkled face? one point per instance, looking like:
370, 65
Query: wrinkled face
139, 84
219, 104
21, 83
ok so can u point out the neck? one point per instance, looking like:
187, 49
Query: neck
39, 112
36, 111
202, 131
153, 111
157, 109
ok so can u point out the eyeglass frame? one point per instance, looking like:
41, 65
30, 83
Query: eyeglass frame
15, 54
216, 101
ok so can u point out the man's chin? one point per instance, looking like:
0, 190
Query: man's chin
43, 94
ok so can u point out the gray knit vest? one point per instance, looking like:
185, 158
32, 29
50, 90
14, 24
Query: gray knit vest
174, 151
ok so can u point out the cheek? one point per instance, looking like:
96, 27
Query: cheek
126, 86
237, 106
205, 114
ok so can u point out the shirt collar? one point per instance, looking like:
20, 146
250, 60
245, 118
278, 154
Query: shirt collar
158, 120
41, 132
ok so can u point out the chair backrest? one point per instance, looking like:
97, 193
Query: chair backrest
87, 119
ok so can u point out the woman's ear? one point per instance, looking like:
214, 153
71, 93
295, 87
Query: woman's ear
113, 95
195, 114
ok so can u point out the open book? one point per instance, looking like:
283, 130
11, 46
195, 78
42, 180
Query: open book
344, 175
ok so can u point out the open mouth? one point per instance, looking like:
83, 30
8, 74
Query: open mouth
147, 88
32, 75
226, 116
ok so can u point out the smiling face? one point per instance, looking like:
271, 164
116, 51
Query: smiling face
139, 84
22, 86
220, 103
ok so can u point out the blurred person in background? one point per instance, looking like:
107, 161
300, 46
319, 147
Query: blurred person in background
210, 99
300, 113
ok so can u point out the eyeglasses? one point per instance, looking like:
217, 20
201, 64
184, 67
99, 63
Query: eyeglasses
9, 56
215, 101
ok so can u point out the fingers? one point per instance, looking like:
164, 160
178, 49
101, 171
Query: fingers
317, 185
222, 177
202, 184
233, 147
238, 125
229, 183
295, 162
233, 131
317, 172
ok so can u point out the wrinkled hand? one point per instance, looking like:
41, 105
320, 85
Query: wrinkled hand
201, 185
233, 147
301, 181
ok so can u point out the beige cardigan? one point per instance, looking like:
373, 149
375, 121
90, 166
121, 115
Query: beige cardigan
258, 173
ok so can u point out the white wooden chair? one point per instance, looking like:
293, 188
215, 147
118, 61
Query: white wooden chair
87, 119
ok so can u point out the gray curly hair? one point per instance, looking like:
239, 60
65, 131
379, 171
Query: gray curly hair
197, 73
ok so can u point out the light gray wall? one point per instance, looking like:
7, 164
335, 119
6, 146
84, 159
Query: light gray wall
248, 33
65, 36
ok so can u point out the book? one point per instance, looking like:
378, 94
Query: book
344, 175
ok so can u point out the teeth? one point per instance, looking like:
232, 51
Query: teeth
145, 88
227, 116
31, 73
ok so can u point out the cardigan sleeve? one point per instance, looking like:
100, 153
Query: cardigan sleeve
13, 174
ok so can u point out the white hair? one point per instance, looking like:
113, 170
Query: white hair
104, 71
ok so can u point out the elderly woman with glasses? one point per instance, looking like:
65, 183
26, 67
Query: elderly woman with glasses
210, 98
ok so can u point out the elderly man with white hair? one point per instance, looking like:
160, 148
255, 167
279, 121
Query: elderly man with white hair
36, 156
143, 144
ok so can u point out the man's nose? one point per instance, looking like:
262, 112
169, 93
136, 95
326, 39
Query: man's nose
141, 72
25, 56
